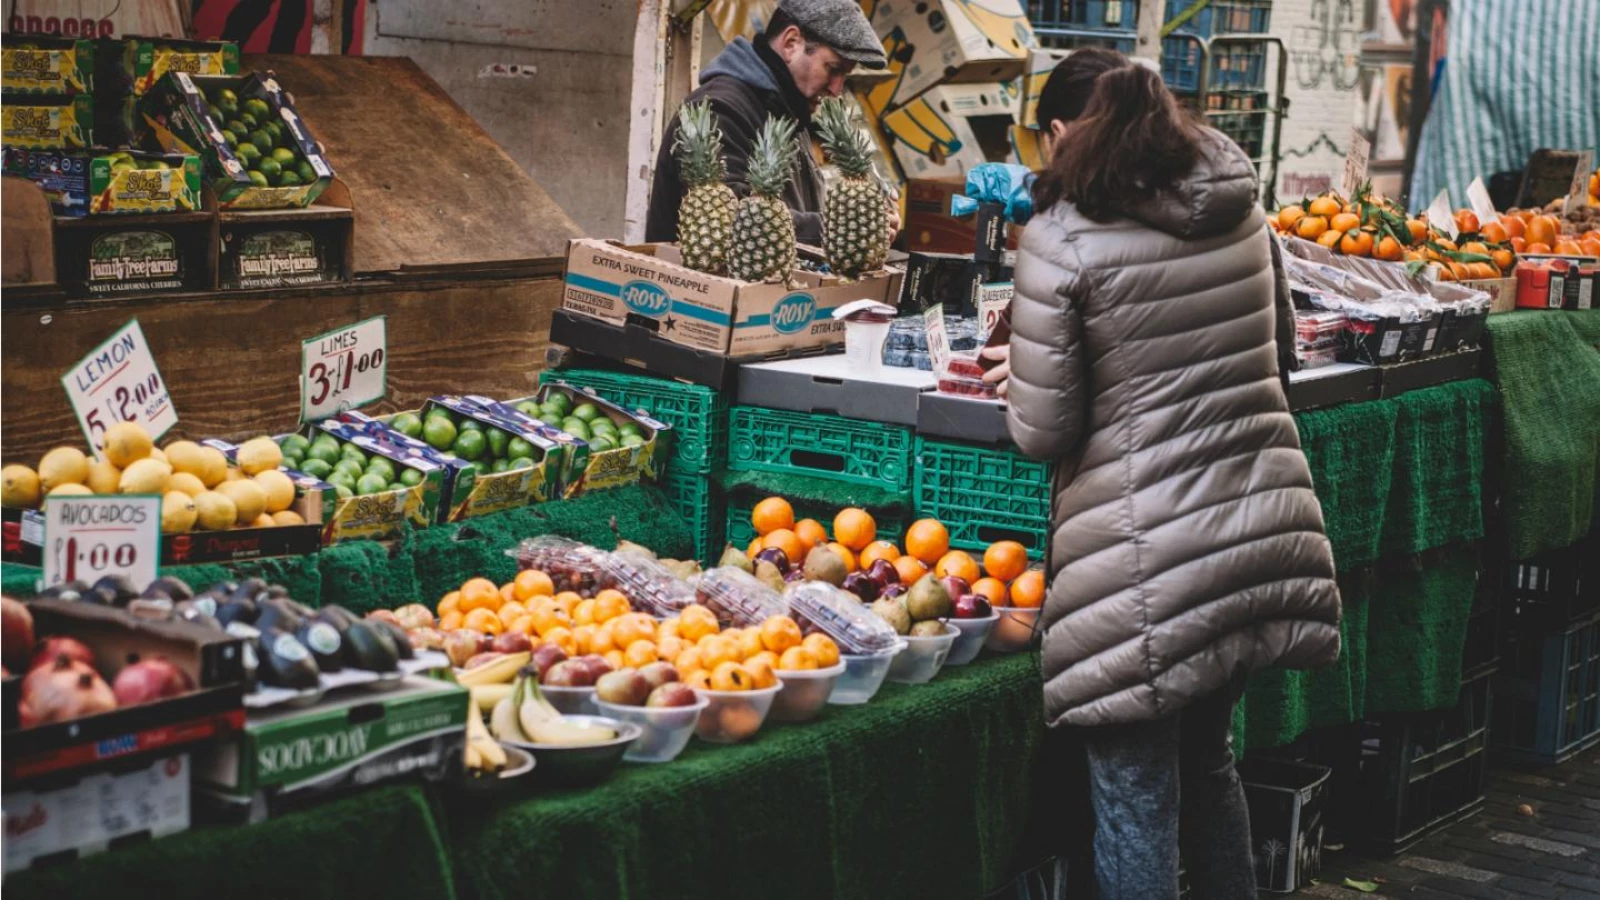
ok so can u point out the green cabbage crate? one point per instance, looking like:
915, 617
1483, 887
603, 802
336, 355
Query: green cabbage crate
852, 450
698, 414
984, 494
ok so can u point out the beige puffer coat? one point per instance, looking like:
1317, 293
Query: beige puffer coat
1187, 544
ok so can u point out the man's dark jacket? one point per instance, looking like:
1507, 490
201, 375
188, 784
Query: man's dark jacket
746, 83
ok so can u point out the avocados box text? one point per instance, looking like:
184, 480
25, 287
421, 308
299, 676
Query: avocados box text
44, 64
348, 739
108, 183
38, 122
646, 284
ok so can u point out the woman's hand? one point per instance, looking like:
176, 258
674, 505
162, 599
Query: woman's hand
1000, 375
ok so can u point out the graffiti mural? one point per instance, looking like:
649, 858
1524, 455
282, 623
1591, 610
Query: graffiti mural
1324, 53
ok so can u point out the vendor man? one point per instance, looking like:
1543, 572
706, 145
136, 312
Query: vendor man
808, 49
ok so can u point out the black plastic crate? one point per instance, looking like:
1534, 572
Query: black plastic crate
1480, 653
1555, 589
1288, 800
1547, 693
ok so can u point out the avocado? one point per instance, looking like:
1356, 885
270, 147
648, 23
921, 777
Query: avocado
285, 662
192, 611
176, 588
397, 635
253, 589
230, 611
248, 652
120, 587
276, 613
324, 643
337, 616
368, 648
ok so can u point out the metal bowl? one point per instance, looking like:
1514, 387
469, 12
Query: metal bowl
568, 764
519, 762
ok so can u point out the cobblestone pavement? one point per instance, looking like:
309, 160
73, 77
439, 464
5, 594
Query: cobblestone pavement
1502, 852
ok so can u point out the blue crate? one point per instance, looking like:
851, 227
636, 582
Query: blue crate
1235, 66
1233, 17
1180, 63
1547, 694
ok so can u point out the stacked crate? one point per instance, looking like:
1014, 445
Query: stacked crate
1235, 99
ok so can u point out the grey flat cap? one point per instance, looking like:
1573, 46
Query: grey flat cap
841, 25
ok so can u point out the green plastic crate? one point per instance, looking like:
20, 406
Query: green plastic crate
983, 494
740, 532
698, 414
699, 501
854, 450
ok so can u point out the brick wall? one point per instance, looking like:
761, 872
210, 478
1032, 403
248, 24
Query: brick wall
1322, 40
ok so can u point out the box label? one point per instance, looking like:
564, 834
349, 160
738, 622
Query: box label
87, 538
49, 70
1440, 215
123, 261
938, 341
118, 382
279, 259
343, 369
43, 127
1482, 206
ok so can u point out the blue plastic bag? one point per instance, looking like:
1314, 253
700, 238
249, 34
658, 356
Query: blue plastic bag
1004, 183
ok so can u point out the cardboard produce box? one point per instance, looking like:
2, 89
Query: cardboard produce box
86, 182
384, 515
593, 470
143, 61
46, 64
277, 249
87, 815
952, 128
929, 227
105, 256
38, 122
943, 41
1041, 62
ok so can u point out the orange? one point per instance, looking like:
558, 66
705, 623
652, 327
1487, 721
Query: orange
478, 593
783, 539
1330, 238
561, 637
958, 563
1591, 247
1519, 244
772, 514
483, 620
844, 553
1028, 589
879, 550
613, 658
754, 548
797, 659
1005, 560
533, 583
717, 650
1567, 247
854, 528
583, 637
1505, 259
567, 600
695, 622
765, 656
1290, 215
1311, 227
1536, 247
640, 653
910, 569
1388, 249
689, 660
1356, 243
511, 612
609, 604
524, 625
449, 602
750, 642
604, 639
547, 615
1324, 206
991, 589
1543, 230
699, 679
1475, 247
810, 532
779, 633
1344, 222
763, 674
667, 628
1418, 229
730, 676
669, 647
451, 620
823, 648
1515, 227
927, 540
635, 626
583, 613
1494, 232
1466, 221
508, 593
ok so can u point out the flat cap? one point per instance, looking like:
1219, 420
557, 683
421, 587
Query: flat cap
841, 25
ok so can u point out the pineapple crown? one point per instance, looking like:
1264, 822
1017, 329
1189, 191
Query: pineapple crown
772, 157
847, 146
698, 145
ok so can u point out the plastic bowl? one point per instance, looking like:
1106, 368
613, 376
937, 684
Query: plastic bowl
923, 658
665, 729
973, 633
571, 701
805, 692
580, 764
1014, 630
863, 675
519, 762
733, 716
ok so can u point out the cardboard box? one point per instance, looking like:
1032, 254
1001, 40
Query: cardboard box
944, 41
105, 256
110, 183
1041, 62
46, 64
952, 279
351, 740
1332, 385
283, 248
929, 226
594, 471
973, 419
91, 814
1287, 800
646, 286
829, 384
142, 61
1027, 147
37, 122
952, 128
385, 515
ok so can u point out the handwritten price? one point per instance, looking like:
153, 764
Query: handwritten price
335, 381
98, 559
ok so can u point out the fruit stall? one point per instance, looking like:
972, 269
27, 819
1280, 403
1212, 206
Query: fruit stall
743, 588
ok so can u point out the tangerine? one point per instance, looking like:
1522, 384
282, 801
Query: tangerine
510, 612
669, 647
1311, 227
1325, 206
797, 659
548, 617
1418, 230
508, 593
608, 605
1028, 590
533, 583
668, 628
1330, 238
1344, 222
1543, 230
1388, 249
1591, 246
1005, 560
716, 650
639, 654
754, 548
854, 528
633, 627
689, 660
910, 569
478, 593
696, 621
583, 613
1536, 247
810, 532
1505, 259
750, 643
1493, 232
772, 514
927, 540
958, 563
1568, 247
1518, 244
567, 600
763, 674
731, 676
786, 540
879, 550
483, 621
524, 625
449, 602
1477, 247
1514, 226
766, 656
562, 637
779, 633
844, 554
451, 620
991, 589
1356, 243
1467, 221
823, 648
583, 637
699, 679
1290, 215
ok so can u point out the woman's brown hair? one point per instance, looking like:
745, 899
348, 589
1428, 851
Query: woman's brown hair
1131, 141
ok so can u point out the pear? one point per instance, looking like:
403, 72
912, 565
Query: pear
823, 564
733, 556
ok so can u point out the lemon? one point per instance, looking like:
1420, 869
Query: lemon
70, 489
157, 453
279, 488
104, 477
63, 465
263, 521
233, 475
20, 486
287, 517
187, 482
127, 443
216, 469
187, 456
249, 499
178, 512
215, 511
258, 455
145, 476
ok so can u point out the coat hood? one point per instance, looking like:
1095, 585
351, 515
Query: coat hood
740, 60
1212, 199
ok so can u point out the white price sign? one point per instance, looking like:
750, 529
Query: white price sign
993, 300
343, 369
118, 382
1482, 206
87, 538
1578, 193
1355, 163
1440, 215
938, 340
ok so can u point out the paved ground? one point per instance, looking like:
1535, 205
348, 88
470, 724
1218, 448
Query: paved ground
1502, 852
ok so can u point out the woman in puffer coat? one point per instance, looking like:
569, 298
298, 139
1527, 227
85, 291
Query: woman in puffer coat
1187, 546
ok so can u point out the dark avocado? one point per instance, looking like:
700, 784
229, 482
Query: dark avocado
71, 591
368, 648
275, 613
285, 662
397, 635
230, 611
120, 587
323, 640
176, 588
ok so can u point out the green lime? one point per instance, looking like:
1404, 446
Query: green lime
578, 428
352, 466
231, 139
469, 424
630, 427
380, 466
601, 443
227, 96
270, 168
518, 448
258, 179
497, 466
323, 453
307, 174
351, 451
316, 468
249, 121
342, 477
296, 443
407, 424
215, 113
439, 432
441, 412
470, 444
552, 413
248, 153
528, 408
603, 426
324, 439
258, 108
274, 128
396, 486
519, 462
410, 477
262, 140
344, 491
586, 411
283, 155
237, 129
559, 400
287, 178
372, 484
633, 440
497, 442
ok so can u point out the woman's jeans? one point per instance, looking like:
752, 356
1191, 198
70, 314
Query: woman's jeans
1167, 786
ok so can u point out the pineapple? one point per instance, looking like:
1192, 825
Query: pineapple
763, 228
857, 232
705, 218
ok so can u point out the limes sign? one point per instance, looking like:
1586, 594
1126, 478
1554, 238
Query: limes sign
88, 538
343, 369
118, 382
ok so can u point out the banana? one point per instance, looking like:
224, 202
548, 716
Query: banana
485, 696
488, 748
473, 759
544, 725
496, 671
503, 722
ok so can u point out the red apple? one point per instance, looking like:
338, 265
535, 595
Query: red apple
883, 573
955, 585
512, 642
546, 656
674, 693
972, 606
624, 687
659, 673
568, 673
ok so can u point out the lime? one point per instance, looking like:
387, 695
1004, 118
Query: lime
258, 108
262, 140
410, 477
633, 440
344, 491
586, 411
307, 174
227, 98
442, 413
497, 443
528, 408
316, 468
283, 155
578, 428
558, 400
396, 486
339, 478
275, 128
351, 451
407, 424
470, 444
630, 427
351, 466
295, 443
270, 168
259, 180
603, 426
497, 466
517, 448
231, 140
215, 113
248, 153
288, 179
237, 129
249, 121
469, 424
381, 466
519, 462
371, 484
323, 453
552, 413
439, 432
325, 440
292, 460
601, 443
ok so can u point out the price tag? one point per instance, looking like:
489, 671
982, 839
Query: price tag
1355, 163
87, 538
938, 342
343, 369
118, 382
1578, 193
1440, 215
993, 300
1482, 206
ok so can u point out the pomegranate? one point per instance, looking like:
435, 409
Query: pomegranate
62, 690
52, 647
150, 679
16, 631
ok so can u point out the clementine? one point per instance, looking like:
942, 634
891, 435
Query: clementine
1466, 221
1290, 215
879, 550
731, 676
1311, 227
524, 625
750, 643
1536, 247
562, 637
823, 648
483, 620
449, 602
583, 638
510, 612
854, 528
763, 674
689, 660
667, 628
1543, 230
927, 540
1356, 243
779, 633
695, 622
508, 593
533, 583
910, 569
845, 554
810, 532
639, 654
1028, 589
991, 589
1418, 229
669, 647
716, 650
797, 659
1330, 238
451, 620
1344, 222
583, 613
1388, 249
609, 604
772, 514
1493, 232
699, 679
1325, 206
613, 659
1005, 560
1515, 227
754, 548
786, 540
603, 641
958, 563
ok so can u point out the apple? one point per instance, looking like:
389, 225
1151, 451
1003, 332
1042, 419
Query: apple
461, 645
385, 615
568, 673
955, 585
596, 664
512, 642
776, 557
862, 585
883, 573
546, 656
972, 606
893, 591
659, 673
415, 615
674, 693
624, 687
